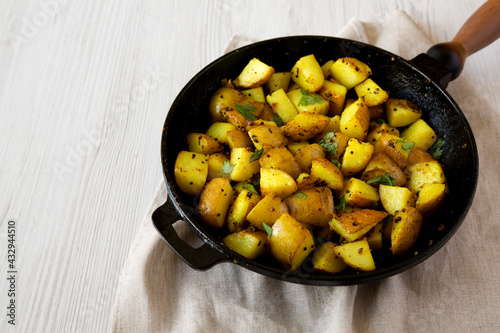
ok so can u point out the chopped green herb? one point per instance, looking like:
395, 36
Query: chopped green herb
329, 135
437, 149
301, 195
227, 167
385, 179
330, 147
255, 156
337, 164
250, 187
308, 99
406, 145
246, 110
267, 229
277, 119
380, 121
341, 203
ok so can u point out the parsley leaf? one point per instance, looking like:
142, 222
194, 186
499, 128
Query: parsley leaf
337, 164
268, 229
250, 187
246, 110
301, 195
341, 203
380, 121
308, 99
385, 179
437, 150
255, 156
227, 167
330, 147
406, 145
277, 119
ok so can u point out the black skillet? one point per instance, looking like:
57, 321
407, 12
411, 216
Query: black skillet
421, 80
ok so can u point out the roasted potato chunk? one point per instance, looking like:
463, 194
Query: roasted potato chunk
214, 202
355, 120
307, 73
305, 125
267, 211
254, 74
350, 71
326, 260
357, 255
312, 206
191, 172
281, 158
250, 244
354, 225
290, 242
400, 112
405, 230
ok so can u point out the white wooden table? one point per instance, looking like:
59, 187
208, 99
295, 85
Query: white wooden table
85, 87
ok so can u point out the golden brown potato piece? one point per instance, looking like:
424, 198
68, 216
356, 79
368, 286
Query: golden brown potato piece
357, 193
371, 93
400, 112
355, 120
357, 255
277, 181
281, 105
307, 73
405, 230
335, 93
267, 211
218, 131
290, 242
425, 173
242, 205
308, 102
267, 137
255, 74
279, 80
203, 144
357, 155
327, 172
380, 164
223, 98
326, 260
238, 139
312, 206
395, 198
242, 166
214, 202
353, 226
215, 166
376, 132
417, 155
420, 133
430, 198
191, 172
305, 125
307, 154
248, 243
281, 158
350, 71
393, 146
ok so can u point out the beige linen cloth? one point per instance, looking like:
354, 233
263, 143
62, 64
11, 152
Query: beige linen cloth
456, 290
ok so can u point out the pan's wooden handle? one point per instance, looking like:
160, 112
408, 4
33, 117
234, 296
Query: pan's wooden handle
480, 30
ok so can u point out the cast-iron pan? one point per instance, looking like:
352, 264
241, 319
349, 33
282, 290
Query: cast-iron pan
421, 81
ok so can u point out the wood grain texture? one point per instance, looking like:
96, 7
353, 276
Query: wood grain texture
85, 89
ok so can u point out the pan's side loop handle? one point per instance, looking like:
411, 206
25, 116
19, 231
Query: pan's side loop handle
201, 258
480, 30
